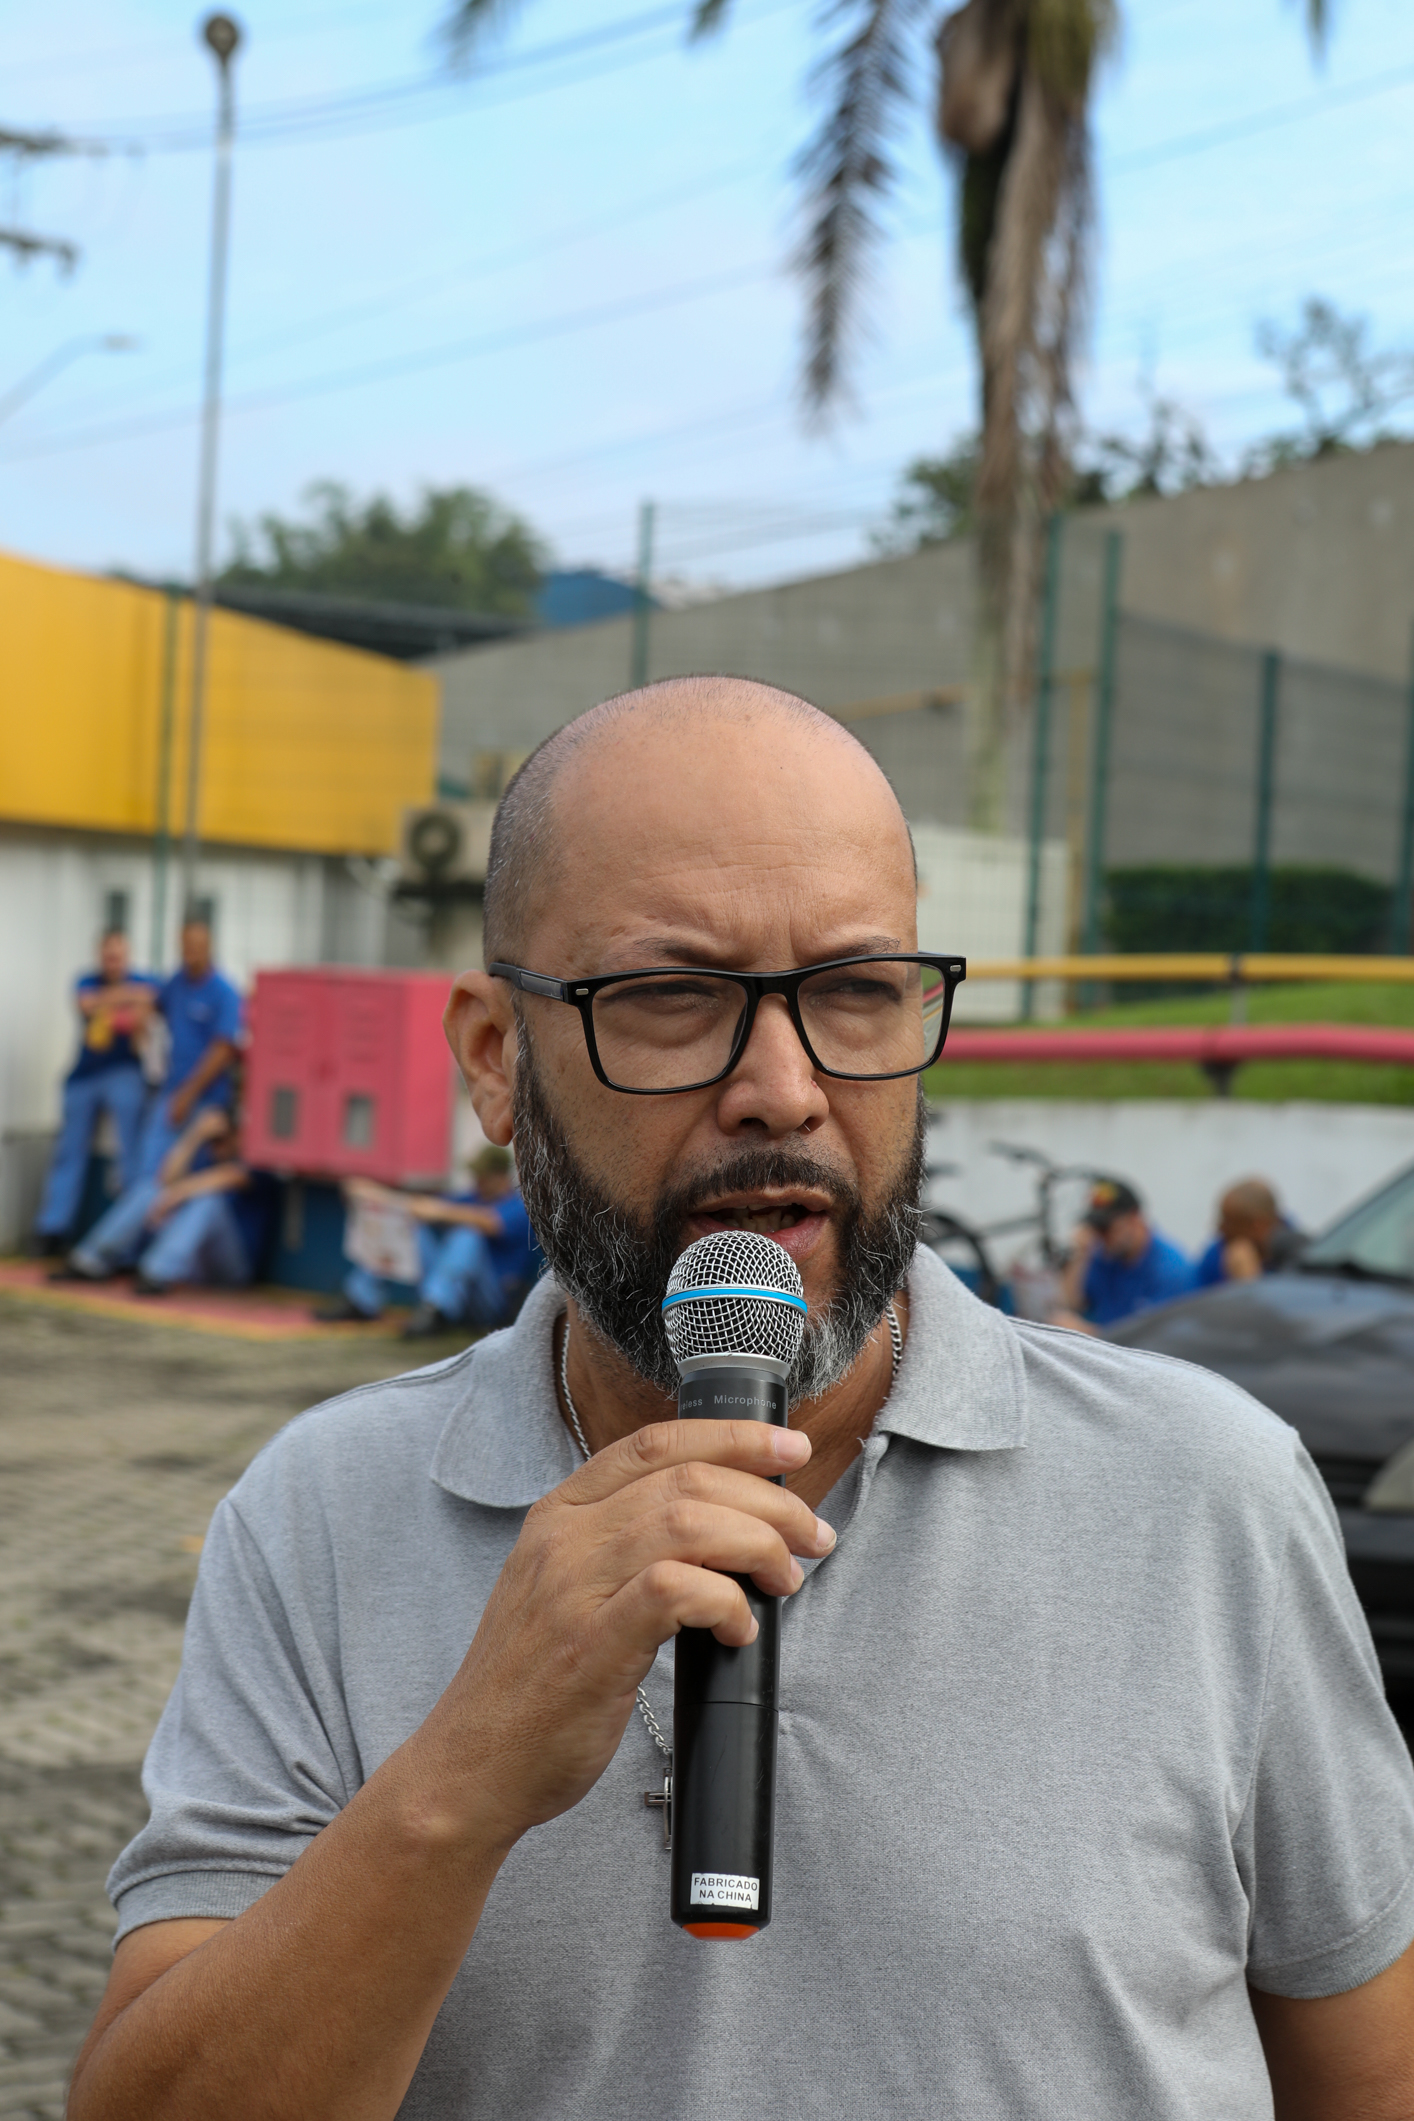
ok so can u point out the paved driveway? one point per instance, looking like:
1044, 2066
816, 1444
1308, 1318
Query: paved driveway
117, 1440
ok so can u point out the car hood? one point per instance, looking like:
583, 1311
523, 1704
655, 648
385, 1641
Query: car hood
1333, 1357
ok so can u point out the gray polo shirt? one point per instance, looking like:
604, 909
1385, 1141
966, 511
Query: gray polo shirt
1082, 1730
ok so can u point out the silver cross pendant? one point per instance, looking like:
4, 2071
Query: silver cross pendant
663, 1799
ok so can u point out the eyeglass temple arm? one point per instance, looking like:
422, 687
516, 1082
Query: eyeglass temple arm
555, 990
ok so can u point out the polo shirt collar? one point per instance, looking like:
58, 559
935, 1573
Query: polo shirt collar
960, 1387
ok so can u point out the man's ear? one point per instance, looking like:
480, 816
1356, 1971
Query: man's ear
481, 1031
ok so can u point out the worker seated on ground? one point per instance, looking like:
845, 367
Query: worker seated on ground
205, 1217
475, 1249
114, 1006
1254, 1237
1118, 1264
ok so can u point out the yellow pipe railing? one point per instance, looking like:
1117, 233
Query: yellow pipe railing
1238, 970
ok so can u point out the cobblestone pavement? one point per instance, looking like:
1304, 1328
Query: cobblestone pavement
117, 1441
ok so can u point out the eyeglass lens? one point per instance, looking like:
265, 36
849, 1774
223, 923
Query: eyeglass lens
668, 1030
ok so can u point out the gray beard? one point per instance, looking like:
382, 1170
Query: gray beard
616, 1267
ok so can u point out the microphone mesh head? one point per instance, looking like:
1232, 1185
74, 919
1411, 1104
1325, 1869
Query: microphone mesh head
734, 1293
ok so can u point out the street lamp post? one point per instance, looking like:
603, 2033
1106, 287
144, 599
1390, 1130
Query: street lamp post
91, 342
222, 33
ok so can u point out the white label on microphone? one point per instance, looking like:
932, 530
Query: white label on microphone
723, 1889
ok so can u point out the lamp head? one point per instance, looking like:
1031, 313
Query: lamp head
223, 34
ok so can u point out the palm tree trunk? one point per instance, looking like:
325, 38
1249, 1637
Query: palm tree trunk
1018, 453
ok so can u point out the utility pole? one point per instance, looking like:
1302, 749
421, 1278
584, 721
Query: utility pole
222, 34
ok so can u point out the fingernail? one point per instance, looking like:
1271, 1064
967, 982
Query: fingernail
755, 1630
791, 1443
824, 1535
797, 1574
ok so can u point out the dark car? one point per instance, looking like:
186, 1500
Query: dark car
1329, 1346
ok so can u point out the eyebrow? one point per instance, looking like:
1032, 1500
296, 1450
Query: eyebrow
680, 950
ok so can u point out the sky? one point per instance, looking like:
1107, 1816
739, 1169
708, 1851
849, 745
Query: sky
563, 275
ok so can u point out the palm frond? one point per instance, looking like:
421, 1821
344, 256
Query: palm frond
707, 18
846, 172
469, 24
1318, 22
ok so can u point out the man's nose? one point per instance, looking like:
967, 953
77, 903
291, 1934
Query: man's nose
773, 1088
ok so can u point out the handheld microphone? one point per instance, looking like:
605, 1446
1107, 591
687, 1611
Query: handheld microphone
734, 1315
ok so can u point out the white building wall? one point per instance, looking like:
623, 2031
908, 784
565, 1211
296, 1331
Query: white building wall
1179, 1153
270, 909
972, 894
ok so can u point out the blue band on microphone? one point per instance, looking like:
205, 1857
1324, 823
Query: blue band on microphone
770, 1296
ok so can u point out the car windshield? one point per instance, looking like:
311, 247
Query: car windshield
1377, 1238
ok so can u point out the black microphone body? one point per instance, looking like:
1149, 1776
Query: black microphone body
724, 1711
734, 1315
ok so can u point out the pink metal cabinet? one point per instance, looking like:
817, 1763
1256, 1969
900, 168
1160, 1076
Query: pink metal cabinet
349, 1074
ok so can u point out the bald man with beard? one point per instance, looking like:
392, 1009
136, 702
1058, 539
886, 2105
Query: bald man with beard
1089, 1801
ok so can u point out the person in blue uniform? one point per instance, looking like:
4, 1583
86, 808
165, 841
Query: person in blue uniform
1119, 1263
114, 1005
479, 1257
203, 1016
205, 1217
1254, 1237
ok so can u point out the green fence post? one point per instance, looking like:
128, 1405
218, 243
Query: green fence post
638, 663
1041, 750
1100, 747
162, 821
1266, 786
1400, 909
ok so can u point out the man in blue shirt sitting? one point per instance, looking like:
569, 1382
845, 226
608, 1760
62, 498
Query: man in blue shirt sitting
204, 1218
1254, 1237
479, 1257
1119, 1264
203, 1015
114, 1005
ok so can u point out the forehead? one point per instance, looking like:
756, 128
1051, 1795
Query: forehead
767, 838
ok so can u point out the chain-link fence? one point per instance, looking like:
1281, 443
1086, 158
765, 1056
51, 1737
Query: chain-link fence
1211, 795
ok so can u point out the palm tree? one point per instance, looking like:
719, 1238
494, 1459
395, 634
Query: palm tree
1014, 80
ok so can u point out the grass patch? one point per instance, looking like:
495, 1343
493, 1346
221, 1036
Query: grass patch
1267, 1082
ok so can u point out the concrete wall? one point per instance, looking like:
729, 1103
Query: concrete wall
1317, 561
901, 628
1180, 1154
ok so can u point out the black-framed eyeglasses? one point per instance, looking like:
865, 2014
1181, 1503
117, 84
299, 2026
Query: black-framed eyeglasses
676, 1027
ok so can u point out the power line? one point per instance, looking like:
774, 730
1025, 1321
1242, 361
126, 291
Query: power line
411, 364
463, 273
1261, 121
344, 115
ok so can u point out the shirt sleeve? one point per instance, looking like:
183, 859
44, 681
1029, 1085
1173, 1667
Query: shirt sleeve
1326, 1840
253, 1754
226, 1022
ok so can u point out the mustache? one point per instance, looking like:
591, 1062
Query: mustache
755, 1170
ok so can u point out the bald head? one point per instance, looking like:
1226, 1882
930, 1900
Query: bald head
620, 766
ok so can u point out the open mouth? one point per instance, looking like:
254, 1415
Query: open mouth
796, 1220
769, 1221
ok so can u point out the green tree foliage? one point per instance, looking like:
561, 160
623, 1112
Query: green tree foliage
934, 501
456, 548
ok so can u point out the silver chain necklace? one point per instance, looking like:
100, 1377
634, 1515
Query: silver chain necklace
645, 1707
663, 1798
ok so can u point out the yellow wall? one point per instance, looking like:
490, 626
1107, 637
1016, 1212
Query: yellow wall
307, 745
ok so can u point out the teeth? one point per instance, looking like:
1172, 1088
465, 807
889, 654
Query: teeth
763, 1219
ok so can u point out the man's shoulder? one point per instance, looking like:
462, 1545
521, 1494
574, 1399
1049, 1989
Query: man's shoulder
359, 1452
1173, 1411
